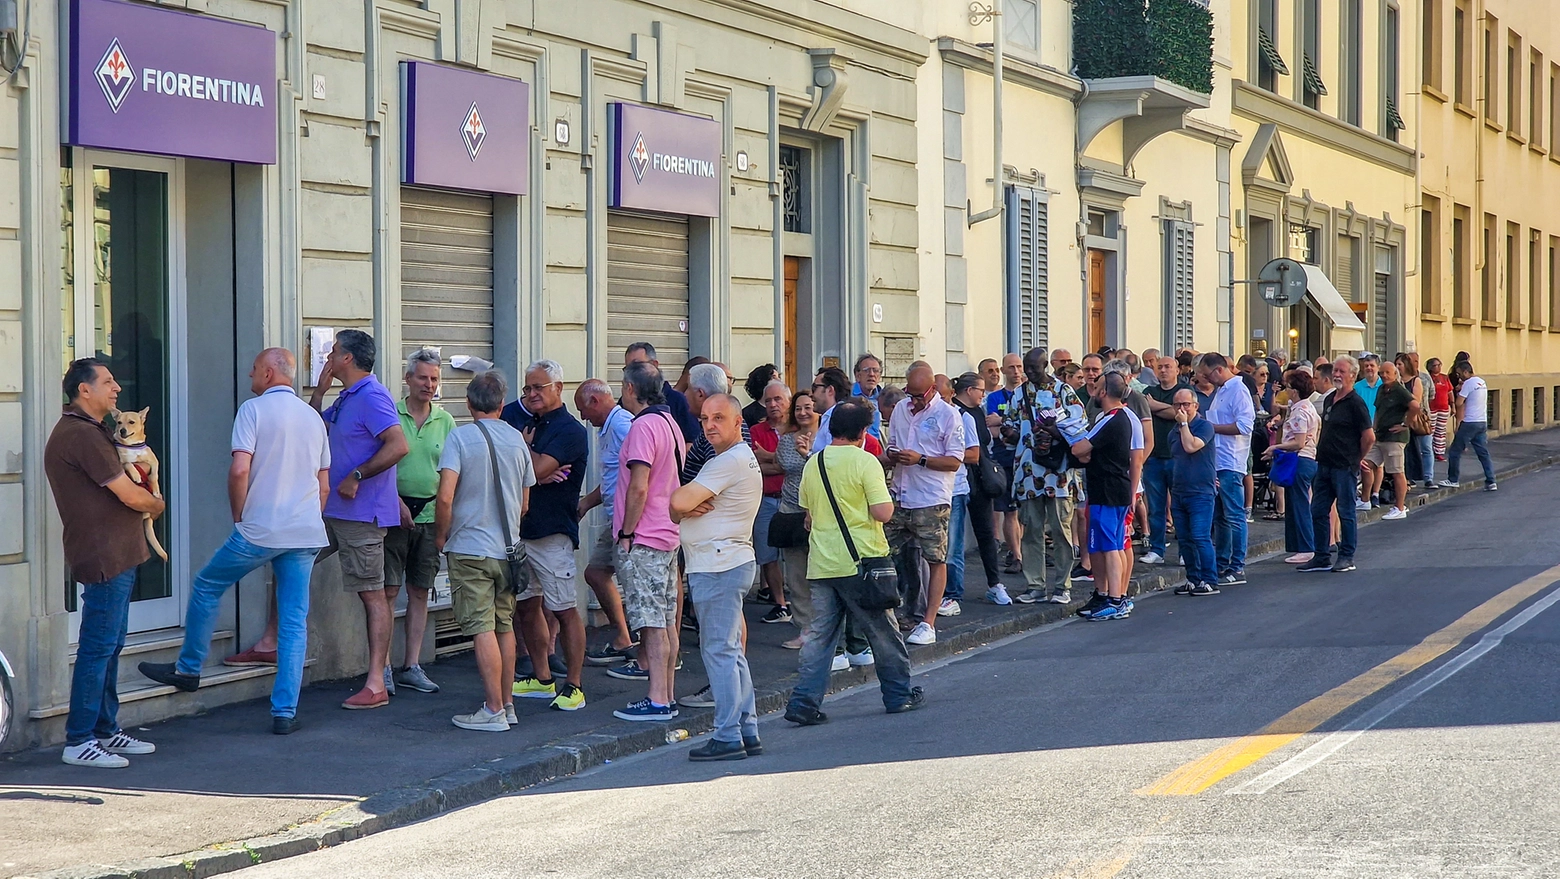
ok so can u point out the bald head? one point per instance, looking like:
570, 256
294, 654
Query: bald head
593, 398
944, 386
273, 368
721, 419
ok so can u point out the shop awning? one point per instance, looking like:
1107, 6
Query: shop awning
1348, 333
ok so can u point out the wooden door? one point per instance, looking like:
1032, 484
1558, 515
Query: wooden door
793, 271
1096, 300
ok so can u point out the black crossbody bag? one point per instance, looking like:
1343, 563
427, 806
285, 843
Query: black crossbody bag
519, 571
876, 580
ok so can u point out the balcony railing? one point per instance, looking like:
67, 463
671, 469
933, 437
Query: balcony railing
1170, 39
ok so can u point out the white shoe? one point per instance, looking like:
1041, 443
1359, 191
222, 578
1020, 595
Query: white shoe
862, 658
841, 662
123, 744
1362, 505
389, 680
998, 594
1062, 597
483, 720
921, 635
1152, 558
949, 608
510, 717
91, 753
1396, 513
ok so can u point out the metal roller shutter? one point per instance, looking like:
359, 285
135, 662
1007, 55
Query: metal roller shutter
447, 281
647, 288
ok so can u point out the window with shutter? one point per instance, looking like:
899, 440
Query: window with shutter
1028, 268
1178, 282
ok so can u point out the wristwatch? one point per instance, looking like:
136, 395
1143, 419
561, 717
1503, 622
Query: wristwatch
625, 535
358, 475
922, 462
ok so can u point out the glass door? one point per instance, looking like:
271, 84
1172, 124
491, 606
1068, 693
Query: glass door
124, 307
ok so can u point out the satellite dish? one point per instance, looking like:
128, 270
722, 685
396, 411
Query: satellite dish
1282, 282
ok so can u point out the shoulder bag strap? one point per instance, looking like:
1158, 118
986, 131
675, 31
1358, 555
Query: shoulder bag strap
677, 441
498, 484
838, 516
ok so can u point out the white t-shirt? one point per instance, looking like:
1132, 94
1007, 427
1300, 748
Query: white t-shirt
722, 539
288, 441
961, 480
1476, 395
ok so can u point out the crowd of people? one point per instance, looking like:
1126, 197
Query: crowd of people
846, 504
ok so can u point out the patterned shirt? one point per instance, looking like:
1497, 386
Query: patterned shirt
1030, 480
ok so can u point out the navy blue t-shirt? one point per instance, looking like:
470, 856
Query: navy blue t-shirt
1194, 472
553, 505
678, 404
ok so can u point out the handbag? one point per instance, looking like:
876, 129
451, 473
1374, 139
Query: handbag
987, 476
787, 530
877, 581
514, 553
1419, 423
1286, 466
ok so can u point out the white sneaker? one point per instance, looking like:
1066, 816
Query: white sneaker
1362, 505
998, 594
1152, 558
1396, 513
510, 717
921, 635
841, 662
862, 658
91, 753
123, 744
949, 608
483, 720
389, 680
1062, 597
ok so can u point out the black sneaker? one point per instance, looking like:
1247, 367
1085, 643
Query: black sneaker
777, 614
690, 623
284, 726
166, 673
805, 716
606, 654
1096, 601
714, 749
1185, 588
1315, 565
1082, 574
916, 700
1232, 578
1205, 589
764, 596
1343, 566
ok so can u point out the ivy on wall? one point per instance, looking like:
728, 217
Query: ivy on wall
1171, 39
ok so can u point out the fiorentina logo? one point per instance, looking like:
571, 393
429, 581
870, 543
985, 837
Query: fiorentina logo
115, 75
473, 132
639, 157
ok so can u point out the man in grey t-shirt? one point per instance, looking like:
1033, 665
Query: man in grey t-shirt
469, 529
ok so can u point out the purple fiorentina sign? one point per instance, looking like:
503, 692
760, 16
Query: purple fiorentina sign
664, 161
464, 130
153, 80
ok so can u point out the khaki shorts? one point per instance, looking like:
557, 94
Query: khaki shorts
1387, 455
361, 546
479, 594
603, 553
926, 527
410, 559
553, 570
648, 578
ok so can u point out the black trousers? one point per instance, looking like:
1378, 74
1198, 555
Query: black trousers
985, 536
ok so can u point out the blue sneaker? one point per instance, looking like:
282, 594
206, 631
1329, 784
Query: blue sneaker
646, 710
1111, 611
629, 671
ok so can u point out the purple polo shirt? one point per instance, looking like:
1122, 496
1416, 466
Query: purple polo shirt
355, 420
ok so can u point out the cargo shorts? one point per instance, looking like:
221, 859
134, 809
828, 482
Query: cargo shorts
926, 528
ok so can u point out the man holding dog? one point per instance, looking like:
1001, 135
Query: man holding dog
277, 488
104, 542
366, 441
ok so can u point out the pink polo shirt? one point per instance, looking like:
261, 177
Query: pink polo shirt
652, 440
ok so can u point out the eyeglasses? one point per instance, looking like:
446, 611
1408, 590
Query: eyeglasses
537, 389
870, 370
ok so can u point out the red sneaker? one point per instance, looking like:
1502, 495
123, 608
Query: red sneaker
367, 698
250, 658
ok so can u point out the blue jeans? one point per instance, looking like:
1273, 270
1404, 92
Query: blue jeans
1229, 522
1156, 493
94, 684
831, 604
1426, 456
717, 599
1194, 533
234, 559
958, 521
1299, 536
1475, 433
1334, 485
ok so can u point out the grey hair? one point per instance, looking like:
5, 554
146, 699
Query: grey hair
553, 369
1354, 365
487, 391
774, 383
646, 347
1119, 367
594, 387
429, 356
708, 378
645, 379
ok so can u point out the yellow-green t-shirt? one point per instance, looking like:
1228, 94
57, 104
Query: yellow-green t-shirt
417, 474
857, 479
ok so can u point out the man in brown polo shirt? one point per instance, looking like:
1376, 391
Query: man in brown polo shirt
104, 544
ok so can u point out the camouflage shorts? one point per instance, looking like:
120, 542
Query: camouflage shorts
648, 578
927, 528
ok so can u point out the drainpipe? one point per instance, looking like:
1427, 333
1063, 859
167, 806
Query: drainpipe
996, 115
1481, 17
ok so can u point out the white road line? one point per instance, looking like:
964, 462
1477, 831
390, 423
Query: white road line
1335, 742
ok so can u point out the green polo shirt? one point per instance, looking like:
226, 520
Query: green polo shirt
417, 474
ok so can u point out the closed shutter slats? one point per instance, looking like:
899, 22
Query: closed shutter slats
647, 288
447, 281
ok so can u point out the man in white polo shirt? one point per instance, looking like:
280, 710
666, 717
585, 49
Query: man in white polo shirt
926, 444
277, 486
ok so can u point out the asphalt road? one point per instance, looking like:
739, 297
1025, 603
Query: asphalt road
1126, 749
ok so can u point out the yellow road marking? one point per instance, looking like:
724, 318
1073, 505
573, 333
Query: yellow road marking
1204, 772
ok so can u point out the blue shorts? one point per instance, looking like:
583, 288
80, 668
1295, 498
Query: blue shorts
1107, 528
764, 553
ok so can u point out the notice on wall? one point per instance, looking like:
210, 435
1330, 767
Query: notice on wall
321, 339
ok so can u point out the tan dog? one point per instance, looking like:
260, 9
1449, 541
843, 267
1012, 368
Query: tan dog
140, 463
